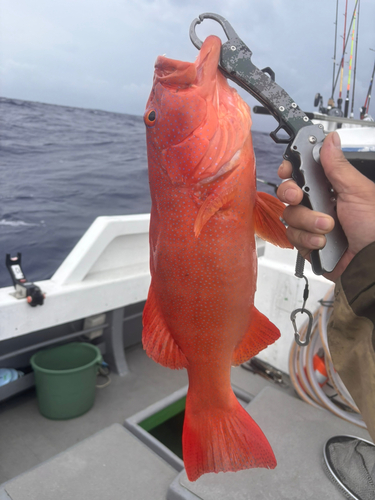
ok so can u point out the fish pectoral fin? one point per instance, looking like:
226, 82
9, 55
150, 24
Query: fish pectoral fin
180, 159
217, 200
260, 334
267, 223
157, 339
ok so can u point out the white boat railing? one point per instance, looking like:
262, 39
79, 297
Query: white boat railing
106, 270
109, 269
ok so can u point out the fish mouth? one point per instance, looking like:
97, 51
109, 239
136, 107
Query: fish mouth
172, 72
180, 73
215, 132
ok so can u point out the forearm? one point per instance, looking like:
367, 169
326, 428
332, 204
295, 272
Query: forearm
351, 332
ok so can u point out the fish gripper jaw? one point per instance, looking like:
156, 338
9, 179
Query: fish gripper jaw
227, 27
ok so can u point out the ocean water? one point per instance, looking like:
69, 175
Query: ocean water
62, 167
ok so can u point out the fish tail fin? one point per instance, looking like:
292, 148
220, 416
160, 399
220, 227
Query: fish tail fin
221, 440
267, 223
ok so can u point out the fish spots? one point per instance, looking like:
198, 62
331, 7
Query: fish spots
180, 160
203, 256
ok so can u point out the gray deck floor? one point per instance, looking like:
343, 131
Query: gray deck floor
27, 438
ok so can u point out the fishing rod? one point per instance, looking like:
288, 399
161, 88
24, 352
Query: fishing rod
334, 52
342, 58
366, 107
355, 63
350, 65
339, 101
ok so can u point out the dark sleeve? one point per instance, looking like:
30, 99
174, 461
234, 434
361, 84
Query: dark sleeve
351, 332
358, 283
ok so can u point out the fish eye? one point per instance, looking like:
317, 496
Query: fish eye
150, 118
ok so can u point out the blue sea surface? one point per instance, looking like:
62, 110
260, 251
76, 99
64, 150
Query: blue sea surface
62, 167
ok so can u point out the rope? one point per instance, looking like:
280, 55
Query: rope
307, 381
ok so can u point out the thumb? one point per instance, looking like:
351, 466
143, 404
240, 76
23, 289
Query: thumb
341, 174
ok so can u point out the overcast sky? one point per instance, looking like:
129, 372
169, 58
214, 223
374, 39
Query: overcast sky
100, 53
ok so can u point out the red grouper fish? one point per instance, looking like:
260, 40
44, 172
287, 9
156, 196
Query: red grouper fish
200, 312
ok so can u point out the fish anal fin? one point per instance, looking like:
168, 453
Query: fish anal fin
260, 334
157, 339
267, 223
222, 440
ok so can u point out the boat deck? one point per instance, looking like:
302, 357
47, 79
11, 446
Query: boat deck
29, 439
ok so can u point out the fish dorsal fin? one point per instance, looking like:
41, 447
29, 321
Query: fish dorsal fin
267, 223
157, 339
261, 333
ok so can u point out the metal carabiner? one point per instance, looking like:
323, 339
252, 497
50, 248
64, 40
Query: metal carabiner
228, 30
297, 337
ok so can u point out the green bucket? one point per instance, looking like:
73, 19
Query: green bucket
65, 379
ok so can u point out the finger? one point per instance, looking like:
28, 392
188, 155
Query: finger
289, 192
301, 217
341, 174
305, 241
285, 170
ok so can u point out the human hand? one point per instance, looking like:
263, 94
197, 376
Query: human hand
355, 195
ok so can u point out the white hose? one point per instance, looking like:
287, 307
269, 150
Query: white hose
297, 372
324, 316
333, 396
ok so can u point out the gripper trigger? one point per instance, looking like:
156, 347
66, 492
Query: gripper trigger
280, 140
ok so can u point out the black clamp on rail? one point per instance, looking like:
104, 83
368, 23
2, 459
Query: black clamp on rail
24, 289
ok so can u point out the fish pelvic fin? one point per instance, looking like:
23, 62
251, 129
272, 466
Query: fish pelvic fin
157, 339
267, 223
220, 440
260, 334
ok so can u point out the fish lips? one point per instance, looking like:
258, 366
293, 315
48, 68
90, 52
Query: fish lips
184, 74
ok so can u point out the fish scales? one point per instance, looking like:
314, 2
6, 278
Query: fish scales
200, 312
